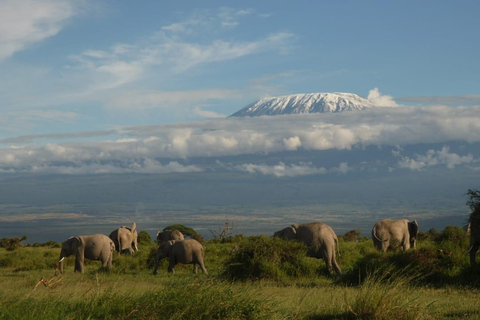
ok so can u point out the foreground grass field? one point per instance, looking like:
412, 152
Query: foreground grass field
432, 282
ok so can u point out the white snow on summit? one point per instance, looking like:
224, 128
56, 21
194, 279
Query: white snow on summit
306, 103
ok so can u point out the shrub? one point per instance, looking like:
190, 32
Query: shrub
144, 238
454, 234
267, 258
352, 235
439, 265
431, 234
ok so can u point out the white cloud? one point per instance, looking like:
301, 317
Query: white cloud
25, 22
207, 114
282, 170
172, 52
262, 135
435, 158
380, 100
292, 170
343, 168
292, 143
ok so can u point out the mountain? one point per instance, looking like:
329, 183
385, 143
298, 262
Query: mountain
305, 103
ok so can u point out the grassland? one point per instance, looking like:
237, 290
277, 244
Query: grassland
433, 282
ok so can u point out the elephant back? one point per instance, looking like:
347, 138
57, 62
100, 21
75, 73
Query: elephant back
168, 235
315, 233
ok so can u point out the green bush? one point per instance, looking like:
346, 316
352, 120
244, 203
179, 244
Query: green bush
29, 258
267, 258
144, 238
187, 231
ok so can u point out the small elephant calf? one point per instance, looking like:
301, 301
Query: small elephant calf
185, 251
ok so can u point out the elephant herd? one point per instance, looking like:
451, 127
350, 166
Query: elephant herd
320, 239
172, 244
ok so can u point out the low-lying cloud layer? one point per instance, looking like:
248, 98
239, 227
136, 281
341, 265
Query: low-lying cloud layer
169, 148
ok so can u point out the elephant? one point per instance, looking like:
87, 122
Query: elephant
184, 251
167, 235
125, 239
92, 247
392, 233
320, 239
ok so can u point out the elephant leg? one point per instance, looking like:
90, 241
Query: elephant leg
157, 262
327, 257
171, 266
204, 270
79, 265
473, 253
406, 245
385, 245
328, 262
336, 266
79, 259
110, 259
195, 267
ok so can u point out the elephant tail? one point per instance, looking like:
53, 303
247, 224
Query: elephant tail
374, 235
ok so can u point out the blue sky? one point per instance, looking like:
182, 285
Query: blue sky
92, 81
68, 66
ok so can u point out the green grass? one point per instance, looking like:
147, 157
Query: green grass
277, 282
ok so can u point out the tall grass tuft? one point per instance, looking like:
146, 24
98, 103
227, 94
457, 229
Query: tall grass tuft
180, 300
263, 257
386, 295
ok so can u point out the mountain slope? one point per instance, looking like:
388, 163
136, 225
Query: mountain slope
305, 103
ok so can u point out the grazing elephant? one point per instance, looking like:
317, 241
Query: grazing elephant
93, 247
125, 239
167, 235
184, 251
320, 239
393, 233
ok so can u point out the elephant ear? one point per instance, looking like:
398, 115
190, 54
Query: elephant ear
74, 242
413, 229
133, 228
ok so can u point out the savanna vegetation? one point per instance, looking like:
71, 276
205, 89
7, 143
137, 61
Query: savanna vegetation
256, 277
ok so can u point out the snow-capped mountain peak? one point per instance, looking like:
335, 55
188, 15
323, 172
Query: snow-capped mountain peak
305, 103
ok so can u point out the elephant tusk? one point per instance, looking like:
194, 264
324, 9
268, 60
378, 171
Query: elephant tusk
61, 259
469, 250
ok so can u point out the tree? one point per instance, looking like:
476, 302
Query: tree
223, 234
474, 204
12, 243
474, 201
352, 235
144, 238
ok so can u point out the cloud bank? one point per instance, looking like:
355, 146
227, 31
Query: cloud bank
435, 158
138, 149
